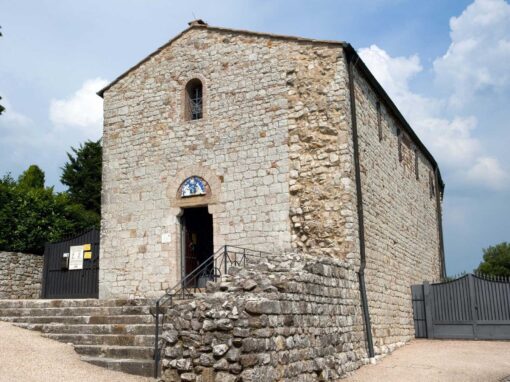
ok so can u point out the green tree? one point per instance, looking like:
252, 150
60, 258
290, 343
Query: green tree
32, 216
33, 177
82, 175
496, 260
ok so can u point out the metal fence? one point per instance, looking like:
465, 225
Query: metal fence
470, 307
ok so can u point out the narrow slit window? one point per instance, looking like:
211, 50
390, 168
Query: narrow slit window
379, 120
432, 189
399, 138
194, 100
416, 163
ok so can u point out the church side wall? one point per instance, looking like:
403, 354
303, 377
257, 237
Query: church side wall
401, 230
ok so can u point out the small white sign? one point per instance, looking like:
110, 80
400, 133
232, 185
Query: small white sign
166, 238
76, 257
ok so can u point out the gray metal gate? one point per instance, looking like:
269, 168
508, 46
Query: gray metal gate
470, 307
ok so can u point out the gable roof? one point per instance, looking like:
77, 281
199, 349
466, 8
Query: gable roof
200, 25
349, 50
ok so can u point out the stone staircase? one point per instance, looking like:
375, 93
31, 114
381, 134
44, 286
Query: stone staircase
115, 334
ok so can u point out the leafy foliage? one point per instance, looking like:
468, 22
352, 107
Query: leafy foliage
33, 177
82, 175
455, 277
496, 260
31, 214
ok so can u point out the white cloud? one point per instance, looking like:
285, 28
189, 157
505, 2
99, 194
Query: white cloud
489, 171
12, 116
395, 76
74, 120
451, 140
479, 54
82, 110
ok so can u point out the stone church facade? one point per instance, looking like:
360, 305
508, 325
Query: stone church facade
294, 147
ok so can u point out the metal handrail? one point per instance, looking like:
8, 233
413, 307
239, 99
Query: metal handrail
211, 269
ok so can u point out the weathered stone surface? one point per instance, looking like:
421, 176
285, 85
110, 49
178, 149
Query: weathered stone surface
276, 147
191, 377
170, 336
308, 330
249, 285
224, 377
401, 231
219, 350
263, 306
20, 275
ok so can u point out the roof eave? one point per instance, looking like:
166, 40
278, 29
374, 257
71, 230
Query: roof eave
101, 92
358, 62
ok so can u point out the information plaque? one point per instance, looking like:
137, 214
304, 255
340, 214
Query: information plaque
76, 257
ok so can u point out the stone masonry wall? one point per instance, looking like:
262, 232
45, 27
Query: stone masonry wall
20, 275
320, 148
298, 319
240, 147
401, 231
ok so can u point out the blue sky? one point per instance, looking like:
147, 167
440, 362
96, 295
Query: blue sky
444, 63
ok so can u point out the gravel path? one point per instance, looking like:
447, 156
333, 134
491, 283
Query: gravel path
25, 356
431, 361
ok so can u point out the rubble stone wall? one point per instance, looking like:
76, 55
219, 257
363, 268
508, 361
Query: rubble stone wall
320, 149
401, 230
295, 319
20, 275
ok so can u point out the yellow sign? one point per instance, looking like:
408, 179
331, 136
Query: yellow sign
87, 255
86, 247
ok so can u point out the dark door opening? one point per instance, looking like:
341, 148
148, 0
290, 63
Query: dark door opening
197, 241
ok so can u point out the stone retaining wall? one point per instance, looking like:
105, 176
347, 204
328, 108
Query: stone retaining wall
20, 275
298, 319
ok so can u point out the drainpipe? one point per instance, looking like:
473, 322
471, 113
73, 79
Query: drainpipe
359, 204
439, 215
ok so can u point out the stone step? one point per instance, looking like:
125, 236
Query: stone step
68, 303
122, 319
131, 366
134, 329
76, 311
103, 339
103, 351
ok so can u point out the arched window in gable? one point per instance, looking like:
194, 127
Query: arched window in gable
194, 100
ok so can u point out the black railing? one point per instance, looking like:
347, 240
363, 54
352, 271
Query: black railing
211, 269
